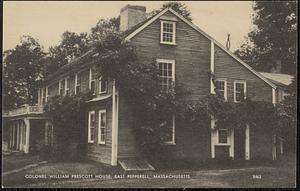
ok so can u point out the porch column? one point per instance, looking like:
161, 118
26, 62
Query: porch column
11, 135
274, 147
14, 135
21, 136
247, 142
18, 135
27, 126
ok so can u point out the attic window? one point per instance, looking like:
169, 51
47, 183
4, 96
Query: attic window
167, 32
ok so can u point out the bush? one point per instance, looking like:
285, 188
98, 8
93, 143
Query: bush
67, 119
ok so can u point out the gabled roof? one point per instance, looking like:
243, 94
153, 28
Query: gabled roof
278, 79
146, 23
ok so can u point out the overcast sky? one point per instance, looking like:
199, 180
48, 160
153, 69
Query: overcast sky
46, 21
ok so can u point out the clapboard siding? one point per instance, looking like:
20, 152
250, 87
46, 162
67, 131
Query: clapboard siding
191, 54
192, 62
101, 152
127, 146
229, 68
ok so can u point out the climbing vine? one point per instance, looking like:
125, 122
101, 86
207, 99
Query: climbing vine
139, 84
67, 115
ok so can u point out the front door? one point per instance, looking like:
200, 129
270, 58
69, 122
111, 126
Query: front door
239, 142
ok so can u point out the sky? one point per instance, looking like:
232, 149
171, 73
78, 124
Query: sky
47, 20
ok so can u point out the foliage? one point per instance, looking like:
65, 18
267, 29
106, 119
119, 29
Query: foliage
22, 71
179, 7
102, 27
139, 84
68, 116
272, 44
71, 45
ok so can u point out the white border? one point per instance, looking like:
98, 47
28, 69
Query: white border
234, 89
174, 32
99, 126
89, 127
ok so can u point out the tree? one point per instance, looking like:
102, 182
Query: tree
103, 27
72, 45
272, 44
179, 7
22, 69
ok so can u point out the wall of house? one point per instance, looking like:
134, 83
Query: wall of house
95, 151
127, 146
228, 68
192, 62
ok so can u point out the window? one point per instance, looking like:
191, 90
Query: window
168, 31
43, 95
47, 93
221, 88
168, 128
61, 87
101, 126
223, 136
102, 86
67, 86
92, 77
239, 90
91, 127
77, 84
167, 73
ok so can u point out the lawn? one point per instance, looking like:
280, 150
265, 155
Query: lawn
277, 174
17, 160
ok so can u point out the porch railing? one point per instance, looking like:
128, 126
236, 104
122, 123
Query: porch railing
24, 110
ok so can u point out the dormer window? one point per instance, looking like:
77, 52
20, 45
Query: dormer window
167, 32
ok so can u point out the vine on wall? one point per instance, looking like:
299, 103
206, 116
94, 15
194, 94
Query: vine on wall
139, 84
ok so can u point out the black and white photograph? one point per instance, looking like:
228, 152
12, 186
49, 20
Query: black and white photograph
149, 94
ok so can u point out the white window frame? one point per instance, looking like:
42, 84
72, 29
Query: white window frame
162, 32
42, 96
99, 86
76, 84
225, 87
169, 62
172, 142
67, 88
59, 86
234, 89
91, 80
47, 94
218, 138
89, 127
99, 126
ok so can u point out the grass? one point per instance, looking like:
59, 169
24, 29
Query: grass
17, 160
272, 174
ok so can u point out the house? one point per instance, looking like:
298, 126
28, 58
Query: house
188, 54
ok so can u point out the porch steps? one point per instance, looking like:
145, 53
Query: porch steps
135, 164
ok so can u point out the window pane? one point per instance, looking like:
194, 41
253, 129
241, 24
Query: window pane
222, 136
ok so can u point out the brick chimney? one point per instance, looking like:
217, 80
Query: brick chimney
131, 15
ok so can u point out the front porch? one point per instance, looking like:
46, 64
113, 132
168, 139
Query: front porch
23, 128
